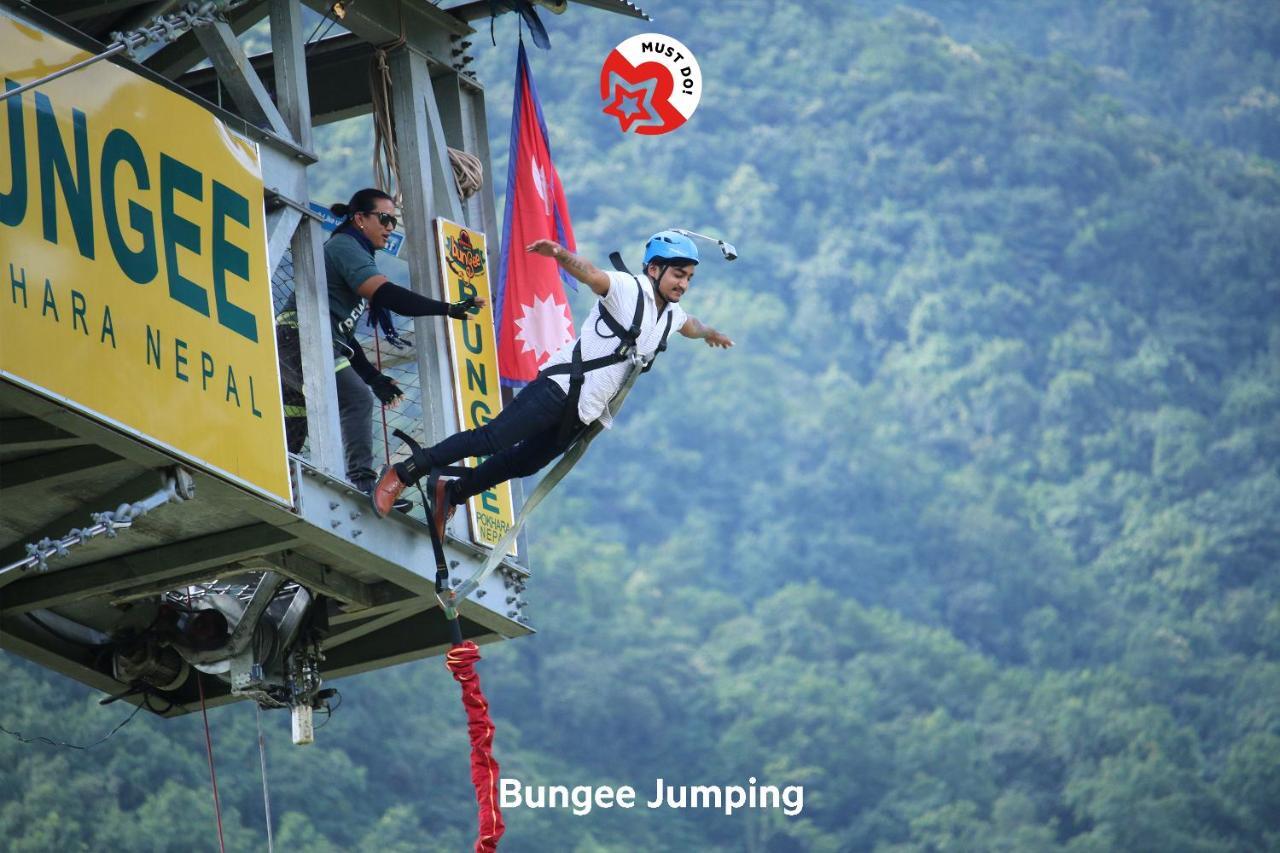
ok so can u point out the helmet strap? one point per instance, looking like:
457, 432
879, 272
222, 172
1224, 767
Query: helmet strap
655, 282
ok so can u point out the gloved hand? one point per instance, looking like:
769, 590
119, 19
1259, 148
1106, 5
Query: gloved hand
458, 310
385, 389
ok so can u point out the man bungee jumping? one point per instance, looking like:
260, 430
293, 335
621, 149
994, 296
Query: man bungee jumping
575, 386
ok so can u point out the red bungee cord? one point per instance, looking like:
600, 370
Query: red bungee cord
461, 660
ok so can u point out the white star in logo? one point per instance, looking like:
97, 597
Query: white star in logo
544, 327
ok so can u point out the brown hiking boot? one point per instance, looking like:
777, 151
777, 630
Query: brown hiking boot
386, 492
442, 508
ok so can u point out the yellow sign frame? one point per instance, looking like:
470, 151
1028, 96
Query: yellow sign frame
473, 358
134, 280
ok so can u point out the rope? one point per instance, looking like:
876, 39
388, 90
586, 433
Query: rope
42, 739
377, 355
213, 776
386, 157
266, 795
468, 170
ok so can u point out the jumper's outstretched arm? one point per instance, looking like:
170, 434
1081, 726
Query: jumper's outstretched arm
698, 330
580, 268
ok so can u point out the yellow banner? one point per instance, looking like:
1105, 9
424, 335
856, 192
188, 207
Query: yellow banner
473, 349
133, 268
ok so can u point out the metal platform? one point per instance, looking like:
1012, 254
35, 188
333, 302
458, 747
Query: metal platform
231, 579
376, 575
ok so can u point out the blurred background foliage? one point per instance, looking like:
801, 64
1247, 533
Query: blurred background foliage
969, 535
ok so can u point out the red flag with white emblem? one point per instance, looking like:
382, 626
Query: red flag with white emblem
529, 301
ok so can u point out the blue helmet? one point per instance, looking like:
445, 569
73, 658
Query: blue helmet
668, 247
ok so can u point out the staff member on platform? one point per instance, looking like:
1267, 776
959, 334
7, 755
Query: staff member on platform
354, 283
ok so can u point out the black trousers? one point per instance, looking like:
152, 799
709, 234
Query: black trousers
520, 441
355, 409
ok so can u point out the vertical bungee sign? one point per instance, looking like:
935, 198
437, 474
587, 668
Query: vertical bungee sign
474, 355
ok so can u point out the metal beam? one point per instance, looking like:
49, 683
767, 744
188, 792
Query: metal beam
396, 600
473, 106
186, 51
240, 80
423, 634
54, 588
323, 579
410, 95
620, 7
72, 11
410, 608
476, 139
137, 488
204, 574
310, 282
31, 434
57, 467
290, 73
423, 28
453, 119
281, 225
448, 103
483, 8
23, 639
444, 186
337, 74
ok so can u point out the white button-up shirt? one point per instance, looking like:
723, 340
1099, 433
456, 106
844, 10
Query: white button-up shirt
599, 386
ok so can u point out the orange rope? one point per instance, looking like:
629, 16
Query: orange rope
208, 743
377, 356
213, 776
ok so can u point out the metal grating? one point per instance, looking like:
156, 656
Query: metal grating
241, 588
400, 364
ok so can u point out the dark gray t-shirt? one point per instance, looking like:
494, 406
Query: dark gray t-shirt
347, 265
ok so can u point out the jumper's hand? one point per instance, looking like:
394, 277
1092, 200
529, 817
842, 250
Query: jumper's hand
718, 339
546, 248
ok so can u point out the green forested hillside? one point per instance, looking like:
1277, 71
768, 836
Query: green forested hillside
1212, 68
974, 532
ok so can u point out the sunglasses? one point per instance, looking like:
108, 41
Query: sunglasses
388, 220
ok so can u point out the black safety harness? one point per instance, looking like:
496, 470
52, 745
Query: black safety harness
450, 592
627, 337
571, 430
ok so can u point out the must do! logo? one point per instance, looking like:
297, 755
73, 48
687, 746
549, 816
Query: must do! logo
651, 84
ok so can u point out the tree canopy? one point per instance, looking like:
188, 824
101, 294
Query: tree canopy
973, 534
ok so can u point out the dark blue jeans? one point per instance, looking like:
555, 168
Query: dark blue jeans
520, 441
